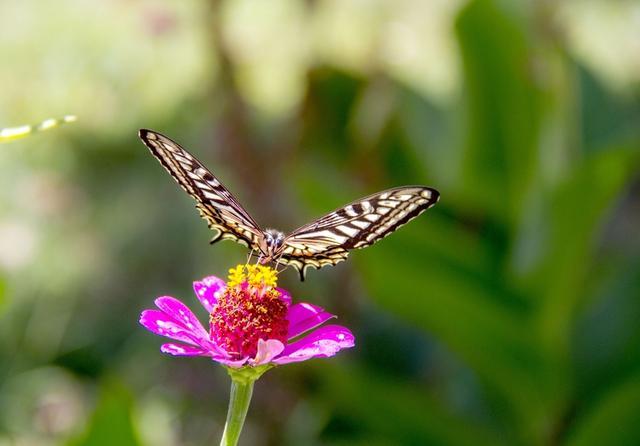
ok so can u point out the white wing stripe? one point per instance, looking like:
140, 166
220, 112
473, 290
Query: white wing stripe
351, 232
360, 224
372, 217
350, 211
326, 234
211, 195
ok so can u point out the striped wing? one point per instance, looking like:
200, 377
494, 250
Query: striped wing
329, 239
216, 204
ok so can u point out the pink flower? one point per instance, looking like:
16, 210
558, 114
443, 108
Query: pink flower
251, 323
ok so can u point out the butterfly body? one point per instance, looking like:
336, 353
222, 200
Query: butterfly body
325, 241
270, 245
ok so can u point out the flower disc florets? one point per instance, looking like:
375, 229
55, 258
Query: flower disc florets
251, 308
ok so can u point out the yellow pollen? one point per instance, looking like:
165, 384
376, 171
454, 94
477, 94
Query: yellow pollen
254, 275
236, 276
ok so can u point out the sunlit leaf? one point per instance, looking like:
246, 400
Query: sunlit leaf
12, 133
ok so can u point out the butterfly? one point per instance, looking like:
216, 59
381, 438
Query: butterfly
325, 241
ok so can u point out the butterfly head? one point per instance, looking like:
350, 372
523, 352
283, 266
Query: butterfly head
273, 242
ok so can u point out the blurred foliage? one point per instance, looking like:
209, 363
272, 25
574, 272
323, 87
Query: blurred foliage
111, 421
507, 314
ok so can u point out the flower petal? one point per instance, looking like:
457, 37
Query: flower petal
181, 314
267, 350
208, 290
284, 295
231, 362
183, 350
324, 342
161, 324
304, 317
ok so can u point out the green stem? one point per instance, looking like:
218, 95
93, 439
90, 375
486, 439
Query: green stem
242, 380
239, 400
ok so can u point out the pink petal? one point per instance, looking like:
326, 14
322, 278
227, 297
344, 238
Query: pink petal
284, 295
161, 324
267, 350
324, 342
208, 290
182, 315
304, 317
230, 362
183, 350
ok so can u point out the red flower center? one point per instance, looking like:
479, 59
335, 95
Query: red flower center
245, 314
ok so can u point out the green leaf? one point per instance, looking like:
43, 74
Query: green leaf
441, 296
397, 413
613, 420
3, 292
504, 109
575, 213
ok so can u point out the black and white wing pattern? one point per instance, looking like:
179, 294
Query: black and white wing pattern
325, 241
329, 239
216, 204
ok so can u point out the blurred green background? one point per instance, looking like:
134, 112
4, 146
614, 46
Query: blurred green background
509, 314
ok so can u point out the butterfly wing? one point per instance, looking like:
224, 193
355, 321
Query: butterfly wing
216, 204
329, 239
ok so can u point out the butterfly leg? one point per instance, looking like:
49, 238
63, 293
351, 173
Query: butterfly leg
285, 265
249, 257
284, 268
